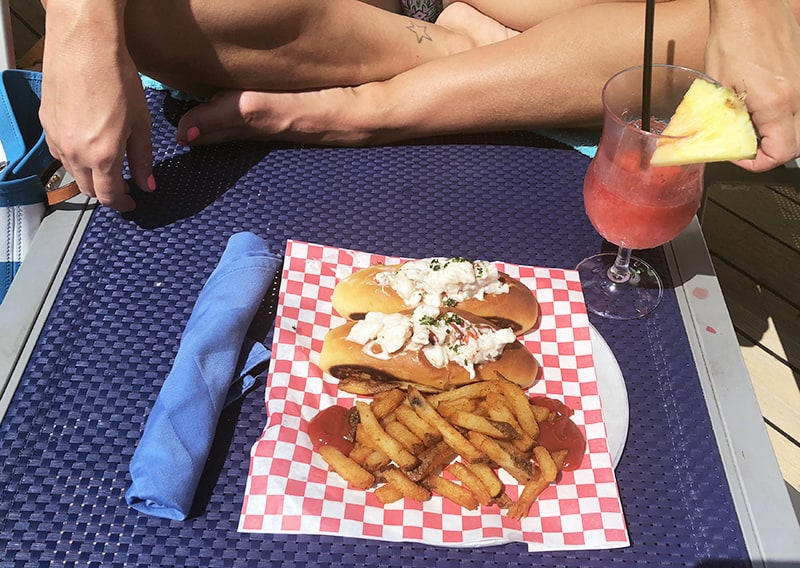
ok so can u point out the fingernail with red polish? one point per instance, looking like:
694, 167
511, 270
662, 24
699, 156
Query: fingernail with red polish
151, 182
192, 134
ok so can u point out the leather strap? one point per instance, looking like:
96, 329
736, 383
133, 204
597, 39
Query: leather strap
61, 194
51, 180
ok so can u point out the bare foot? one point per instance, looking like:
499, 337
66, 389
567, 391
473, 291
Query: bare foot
332, 116
303, 117
476, 25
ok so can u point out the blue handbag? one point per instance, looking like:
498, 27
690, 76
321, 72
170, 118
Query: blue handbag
30, 178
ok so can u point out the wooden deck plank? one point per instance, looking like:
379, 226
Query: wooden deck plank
27, 25
766, 259
776, 388
759, 315
788, 455
752, 227
773, 209
30, 14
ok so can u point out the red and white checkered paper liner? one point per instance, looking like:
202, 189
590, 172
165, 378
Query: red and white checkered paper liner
291, 490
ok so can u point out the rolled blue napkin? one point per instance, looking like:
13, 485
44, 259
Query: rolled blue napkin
212, 368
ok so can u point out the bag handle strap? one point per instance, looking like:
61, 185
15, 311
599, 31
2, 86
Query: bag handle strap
61, 194
55, 191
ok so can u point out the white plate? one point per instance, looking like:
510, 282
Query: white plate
613, 395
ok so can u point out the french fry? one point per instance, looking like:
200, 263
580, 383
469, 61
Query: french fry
471, 390
520, 405
391, 447
493, 428
559, 457
456, 493
376, 461
360, 453
408, 488
529, 494
421, 429
448, 407
385, 403
541, 413
370, 458
406, 437
546, 463
499, 456
545, 476
388, 493
388, 419
503, 501
453, 437
517, 454
488, 478
496, 409
432, 461
471, 482
363, 438
347, 469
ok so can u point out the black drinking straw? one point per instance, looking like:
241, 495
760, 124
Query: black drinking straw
647, 66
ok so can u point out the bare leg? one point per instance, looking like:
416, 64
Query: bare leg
202, 46
524, 14
481, 28
549, 75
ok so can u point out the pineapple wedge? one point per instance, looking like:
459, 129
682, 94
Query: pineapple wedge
715, 127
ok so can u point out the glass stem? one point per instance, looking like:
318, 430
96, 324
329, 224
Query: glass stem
620, 272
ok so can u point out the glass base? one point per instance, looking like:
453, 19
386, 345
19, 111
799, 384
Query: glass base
629, 300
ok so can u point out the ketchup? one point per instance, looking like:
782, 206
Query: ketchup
331, 427
562, 433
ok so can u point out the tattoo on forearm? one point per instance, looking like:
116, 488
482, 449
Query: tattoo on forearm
420, 31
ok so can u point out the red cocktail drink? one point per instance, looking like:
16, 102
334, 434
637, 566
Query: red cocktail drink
630, 202
637, 206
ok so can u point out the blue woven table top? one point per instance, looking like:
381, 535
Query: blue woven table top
109, 341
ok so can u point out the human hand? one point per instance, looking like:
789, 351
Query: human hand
93, 107
756, 51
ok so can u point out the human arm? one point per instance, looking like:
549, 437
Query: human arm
93, 106
754, 48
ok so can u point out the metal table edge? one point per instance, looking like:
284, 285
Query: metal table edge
33, 292
767, 518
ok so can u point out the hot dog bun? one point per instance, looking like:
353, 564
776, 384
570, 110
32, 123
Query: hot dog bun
367, 368
367, 291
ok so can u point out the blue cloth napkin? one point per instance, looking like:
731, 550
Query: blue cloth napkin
211, 369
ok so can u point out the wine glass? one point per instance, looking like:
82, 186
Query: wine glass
630, 202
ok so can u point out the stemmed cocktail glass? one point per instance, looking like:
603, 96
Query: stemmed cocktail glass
630, 202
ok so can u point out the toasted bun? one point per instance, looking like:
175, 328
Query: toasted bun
360, 373
360, 293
